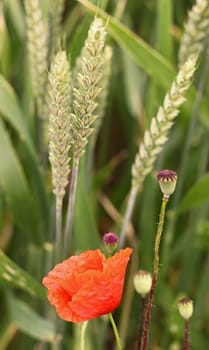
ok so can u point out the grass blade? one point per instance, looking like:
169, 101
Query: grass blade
15, 187
13, 275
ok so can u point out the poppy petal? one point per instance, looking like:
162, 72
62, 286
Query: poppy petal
102, 294
86, 286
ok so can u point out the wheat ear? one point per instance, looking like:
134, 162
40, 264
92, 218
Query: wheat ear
59, 134
157, 134
196, 31
37, 43
101, 104
87, 86
87, 76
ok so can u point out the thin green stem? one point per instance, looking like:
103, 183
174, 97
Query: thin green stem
70, 209
128, 214
58, 237
155, 272
158, 235
56, 345
83, 331
115, 330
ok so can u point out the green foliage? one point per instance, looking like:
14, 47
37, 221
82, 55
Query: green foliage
197, 194
11, 111
13, 275
145, 37
21, 313
16, 189
85, 238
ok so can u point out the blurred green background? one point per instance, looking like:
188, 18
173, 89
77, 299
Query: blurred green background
141, 75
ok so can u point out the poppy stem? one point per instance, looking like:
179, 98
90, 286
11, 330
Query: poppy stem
115, 330
70, 209
158, 235
186, 335
155, 273
83, 332
141, 323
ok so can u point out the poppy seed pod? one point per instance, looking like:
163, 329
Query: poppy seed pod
167, 180
185, 307
142, 282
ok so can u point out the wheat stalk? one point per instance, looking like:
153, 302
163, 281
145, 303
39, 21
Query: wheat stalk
87, 86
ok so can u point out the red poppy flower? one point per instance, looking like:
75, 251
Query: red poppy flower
88, 285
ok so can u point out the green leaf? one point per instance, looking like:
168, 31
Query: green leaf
163, 44
5, 51
164, 38
144, 55
12, 112
14, 10
78, 39
13, 275
134, 85
14, 184
86, 234
197, 194
7, 332
34, 176
29, 322
10, 109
